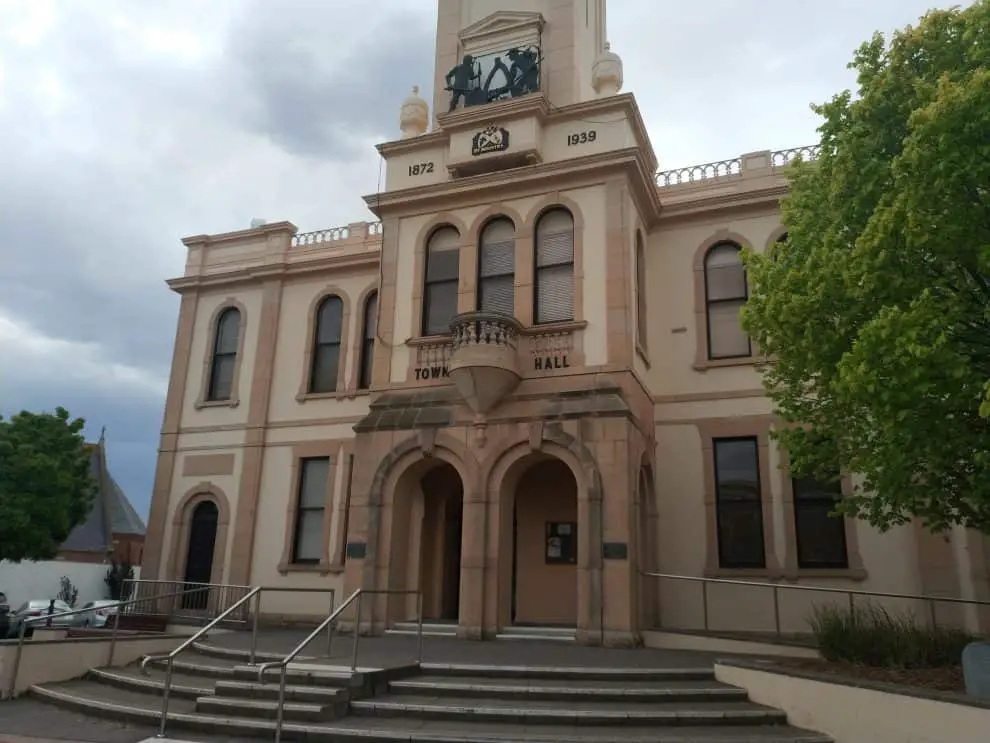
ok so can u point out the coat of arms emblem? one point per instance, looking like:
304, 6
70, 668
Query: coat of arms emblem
490, 139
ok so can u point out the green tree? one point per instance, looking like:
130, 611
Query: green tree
874, 310
45, 484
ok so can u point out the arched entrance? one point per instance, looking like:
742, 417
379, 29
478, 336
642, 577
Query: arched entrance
427, 523
543, 502
199, 554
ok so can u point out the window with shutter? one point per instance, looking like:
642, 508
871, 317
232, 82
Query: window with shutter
440, 281
307, 543
326, 348
497, 267
554, 274
368, 341
641, 334
726, 292
739, 503
225, 344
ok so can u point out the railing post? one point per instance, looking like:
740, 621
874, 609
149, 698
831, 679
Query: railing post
776, 611
165, 690
254, 626
17, 660
280, 713
419, 630
704, 602
113, 637
357, 627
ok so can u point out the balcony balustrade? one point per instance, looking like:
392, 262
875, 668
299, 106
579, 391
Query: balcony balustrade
484, 363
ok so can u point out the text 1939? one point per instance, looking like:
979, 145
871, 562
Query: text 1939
582, 137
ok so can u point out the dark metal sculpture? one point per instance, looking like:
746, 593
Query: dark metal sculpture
520, 77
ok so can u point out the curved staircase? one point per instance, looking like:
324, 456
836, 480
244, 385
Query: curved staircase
214, 691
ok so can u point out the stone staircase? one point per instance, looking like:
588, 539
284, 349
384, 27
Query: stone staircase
520, 632
214, 691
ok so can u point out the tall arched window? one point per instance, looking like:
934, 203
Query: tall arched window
726, 292
225, 344
440, 280
554, 275
326, 345
368, 341
497, 266
641, 328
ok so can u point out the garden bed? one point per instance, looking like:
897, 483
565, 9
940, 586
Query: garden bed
946, 679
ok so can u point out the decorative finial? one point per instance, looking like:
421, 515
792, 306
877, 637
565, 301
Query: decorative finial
606, 73
414, 116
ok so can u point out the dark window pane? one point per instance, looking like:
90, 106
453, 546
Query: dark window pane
371, 316
228, 331
555, 238
441, 307
442, 265
739, 503
367, 363
313, 482
309, 536
311, 506
328, 321
821, 538
325, 361
726, 336
222, 376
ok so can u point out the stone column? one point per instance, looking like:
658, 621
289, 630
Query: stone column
474, 529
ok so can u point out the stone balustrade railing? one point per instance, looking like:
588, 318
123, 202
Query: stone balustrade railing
484, 328
721, 168
335, 234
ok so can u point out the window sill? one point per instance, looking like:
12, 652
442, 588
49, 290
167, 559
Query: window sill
568, 326
855, 574
344, 395
318, 568
730, 573
231, 403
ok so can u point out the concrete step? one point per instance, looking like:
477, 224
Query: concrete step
430, 629
193, 665
293, 692
522, 632
234, 654
265, 709
568, 673
95, 699
624, 691
572, 713
131, 678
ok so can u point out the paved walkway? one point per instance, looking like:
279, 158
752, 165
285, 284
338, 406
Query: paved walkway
392, 650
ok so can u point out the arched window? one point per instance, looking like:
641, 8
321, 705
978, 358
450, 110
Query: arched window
368, 341
326, 348
641, 334
497, 266
225, 344
440, 282
554, 275
725, 294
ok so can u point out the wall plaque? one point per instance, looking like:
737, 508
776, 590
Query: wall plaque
490, 139
615, 551
356, 550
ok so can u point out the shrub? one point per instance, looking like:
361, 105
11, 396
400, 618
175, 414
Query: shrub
872, 636
118, 579
67, 592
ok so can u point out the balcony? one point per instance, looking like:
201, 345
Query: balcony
484, 362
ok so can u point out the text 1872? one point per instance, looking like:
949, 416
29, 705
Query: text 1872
582, 137
420, 168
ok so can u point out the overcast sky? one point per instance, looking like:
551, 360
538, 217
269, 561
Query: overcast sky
127, 125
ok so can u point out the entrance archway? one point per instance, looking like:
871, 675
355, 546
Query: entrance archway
427, 523
544, 544
199, 554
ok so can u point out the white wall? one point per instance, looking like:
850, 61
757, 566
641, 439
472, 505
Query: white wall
25, 581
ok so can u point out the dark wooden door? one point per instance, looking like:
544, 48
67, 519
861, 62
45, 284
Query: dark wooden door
199, 558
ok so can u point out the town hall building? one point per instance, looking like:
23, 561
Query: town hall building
523, 392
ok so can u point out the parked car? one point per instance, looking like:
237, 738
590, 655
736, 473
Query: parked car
4, 615
39, 608
98, 612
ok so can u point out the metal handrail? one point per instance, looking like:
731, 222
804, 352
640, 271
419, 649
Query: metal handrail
253, 593
113, 638
327, 623
850, 592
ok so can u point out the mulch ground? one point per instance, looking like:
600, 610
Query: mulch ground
930, 679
